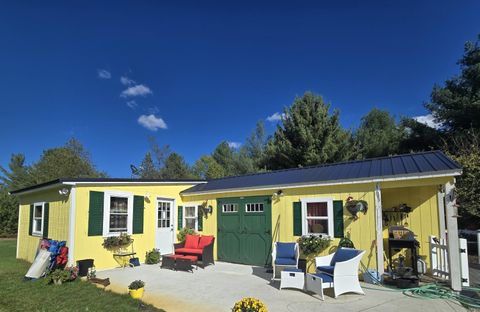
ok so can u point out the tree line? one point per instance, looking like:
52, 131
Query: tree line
309, 133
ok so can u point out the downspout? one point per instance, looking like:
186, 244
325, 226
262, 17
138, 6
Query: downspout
71, 225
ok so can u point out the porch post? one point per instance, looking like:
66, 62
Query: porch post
441, 211
452, 240
379, 229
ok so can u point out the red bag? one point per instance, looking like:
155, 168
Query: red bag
62, 257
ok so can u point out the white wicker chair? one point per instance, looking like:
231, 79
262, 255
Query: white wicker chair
340, 271
287, 256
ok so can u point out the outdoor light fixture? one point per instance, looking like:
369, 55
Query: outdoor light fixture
209, 209
278, 194
64, 191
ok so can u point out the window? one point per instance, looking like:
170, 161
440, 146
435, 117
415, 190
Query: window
317, 216
230, 208
118, 213
190, 214
164, 214
37, 225
256, 207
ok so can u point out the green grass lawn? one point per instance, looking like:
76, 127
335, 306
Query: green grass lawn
19, 295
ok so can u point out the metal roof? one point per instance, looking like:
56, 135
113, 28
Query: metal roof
73, 181
425, 164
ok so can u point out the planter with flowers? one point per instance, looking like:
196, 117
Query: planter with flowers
310, 247
60, 276
136, 289
249, 305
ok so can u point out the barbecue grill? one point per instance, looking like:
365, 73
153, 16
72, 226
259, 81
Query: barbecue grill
399, 237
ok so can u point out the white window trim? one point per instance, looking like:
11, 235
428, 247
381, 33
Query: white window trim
329, 202
106, 212
184, 222
233, 204
254, 203
36, 233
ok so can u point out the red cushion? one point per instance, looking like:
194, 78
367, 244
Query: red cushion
191, 241
188, 251
191, 258
205, 240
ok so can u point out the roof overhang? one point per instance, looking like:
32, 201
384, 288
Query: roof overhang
416, 176
72, 183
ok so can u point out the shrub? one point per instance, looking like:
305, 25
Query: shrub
117, 242
62, 275
183, 232
249, 305
136, 285
152, 256
312, 245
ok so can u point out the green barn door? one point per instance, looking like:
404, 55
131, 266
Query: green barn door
244, 230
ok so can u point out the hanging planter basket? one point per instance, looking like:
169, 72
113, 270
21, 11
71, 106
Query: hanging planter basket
356, 206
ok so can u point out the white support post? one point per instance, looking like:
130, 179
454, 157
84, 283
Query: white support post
441, 212
452, 240
379, 229
478, 245
71, 226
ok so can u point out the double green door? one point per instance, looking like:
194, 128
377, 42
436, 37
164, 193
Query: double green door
245, 230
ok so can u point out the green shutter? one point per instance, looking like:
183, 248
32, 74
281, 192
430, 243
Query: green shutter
200, 219
338, 218
95, 214
30, 225
46, 213
138, 208
297, 219
180, 217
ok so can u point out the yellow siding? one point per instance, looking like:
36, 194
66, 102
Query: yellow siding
362, 230
423, 220
91, 246
57, 225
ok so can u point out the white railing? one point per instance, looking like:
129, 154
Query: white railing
439, 259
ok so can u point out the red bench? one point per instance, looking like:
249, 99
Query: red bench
198, 246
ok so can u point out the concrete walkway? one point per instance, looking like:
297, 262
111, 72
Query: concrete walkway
219, 286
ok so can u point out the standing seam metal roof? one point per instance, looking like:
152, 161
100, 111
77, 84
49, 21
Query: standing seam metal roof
432, 162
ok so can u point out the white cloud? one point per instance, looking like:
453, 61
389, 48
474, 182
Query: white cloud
126, 81
132, 104
104, 74
275, 117
137, 90
151, 122
234, 145
428, 120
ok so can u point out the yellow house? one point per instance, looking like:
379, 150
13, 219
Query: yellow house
246, 214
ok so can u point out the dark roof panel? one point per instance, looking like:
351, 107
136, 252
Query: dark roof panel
384, 167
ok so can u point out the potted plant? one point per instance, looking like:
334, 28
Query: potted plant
310, 246
114, 243
136, 288
152, 256
249, 305
59, 276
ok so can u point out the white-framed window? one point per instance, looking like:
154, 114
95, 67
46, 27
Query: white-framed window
117, 213
190, 217
254, 207
37, 219
227, 208
317, 216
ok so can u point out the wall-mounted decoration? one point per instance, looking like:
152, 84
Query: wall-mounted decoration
355, 206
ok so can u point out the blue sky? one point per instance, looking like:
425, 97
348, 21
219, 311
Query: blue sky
199, 73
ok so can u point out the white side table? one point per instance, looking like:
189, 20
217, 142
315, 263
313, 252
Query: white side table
292, 278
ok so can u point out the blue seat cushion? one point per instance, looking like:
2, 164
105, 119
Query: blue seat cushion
344, 254
285, 261
326, 269
325, 277
285, 250
292, 270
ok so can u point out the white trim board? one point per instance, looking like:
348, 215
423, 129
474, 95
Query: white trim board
71, 225
450, 173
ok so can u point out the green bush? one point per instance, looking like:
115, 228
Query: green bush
152, 256
136, 284
183, 232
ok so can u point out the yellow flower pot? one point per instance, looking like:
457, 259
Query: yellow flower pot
136, 293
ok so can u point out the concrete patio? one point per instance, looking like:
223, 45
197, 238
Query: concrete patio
219, 286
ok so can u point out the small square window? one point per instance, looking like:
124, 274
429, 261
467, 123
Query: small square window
230, 208
255, 207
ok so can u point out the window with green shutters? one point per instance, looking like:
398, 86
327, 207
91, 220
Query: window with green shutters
318, 216
95, 214
38, 219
